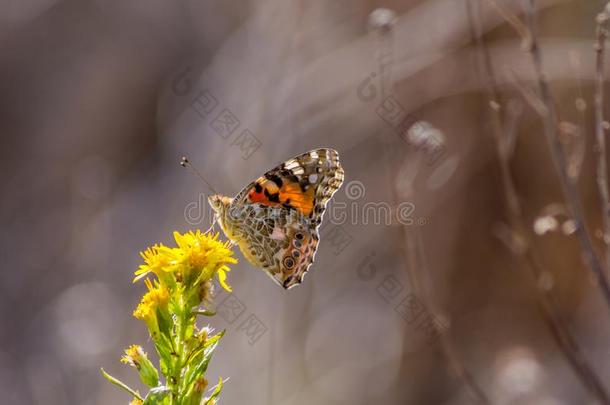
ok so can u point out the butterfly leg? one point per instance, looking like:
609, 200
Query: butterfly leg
211, 228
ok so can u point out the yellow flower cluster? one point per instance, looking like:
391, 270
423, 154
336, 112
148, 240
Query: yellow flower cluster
183, 277
198, 257
179, 288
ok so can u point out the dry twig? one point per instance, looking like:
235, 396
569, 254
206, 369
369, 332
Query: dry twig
569, 187
602, 168
549, 311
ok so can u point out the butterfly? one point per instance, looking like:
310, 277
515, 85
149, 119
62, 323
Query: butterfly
274, 220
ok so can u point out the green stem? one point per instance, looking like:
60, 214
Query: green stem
121, 385
178, 361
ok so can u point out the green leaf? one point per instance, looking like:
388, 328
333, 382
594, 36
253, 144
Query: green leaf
213, 399
164, 350
121, 384
198, 364
213, 340
164, 321
158, 396
148, 372
195, 393
189, 329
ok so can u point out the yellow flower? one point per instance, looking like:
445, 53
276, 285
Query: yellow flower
204, 256
197, 258
158, 294
156, 260
203, 250
222, 277
156, 297
136, 401
136, 357
133, 356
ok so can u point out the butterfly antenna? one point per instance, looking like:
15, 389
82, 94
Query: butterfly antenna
187, 164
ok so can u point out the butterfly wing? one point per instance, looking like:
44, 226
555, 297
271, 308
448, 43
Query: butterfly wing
277, 240
278, 214
304, 183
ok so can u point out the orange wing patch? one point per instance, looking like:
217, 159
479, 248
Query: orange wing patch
281, 191
292, 195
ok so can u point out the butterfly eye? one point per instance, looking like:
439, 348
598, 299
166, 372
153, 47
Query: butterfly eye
288, 262
297, 243
296, 254
299, 236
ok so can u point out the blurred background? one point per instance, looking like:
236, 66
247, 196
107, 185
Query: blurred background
470, 289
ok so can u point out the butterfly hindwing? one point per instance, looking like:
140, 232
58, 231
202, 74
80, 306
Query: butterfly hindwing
279, 241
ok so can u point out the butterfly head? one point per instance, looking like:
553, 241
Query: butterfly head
219, 203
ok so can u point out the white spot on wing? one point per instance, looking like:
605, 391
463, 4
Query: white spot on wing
291, 164
277, 234
313, 178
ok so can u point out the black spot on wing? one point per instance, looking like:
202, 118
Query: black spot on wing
275, 178
288, 175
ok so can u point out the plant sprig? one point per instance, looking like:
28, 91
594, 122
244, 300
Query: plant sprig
179, 283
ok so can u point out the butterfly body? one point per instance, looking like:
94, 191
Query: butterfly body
274, 220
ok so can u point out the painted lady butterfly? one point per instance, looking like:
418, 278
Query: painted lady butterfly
275, 219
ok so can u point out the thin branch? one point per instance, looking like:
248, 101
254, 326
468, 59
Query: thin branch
414, 257
528, 94
569, 187
513, 20
417, 261
576, 132
602, 169
504, 135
